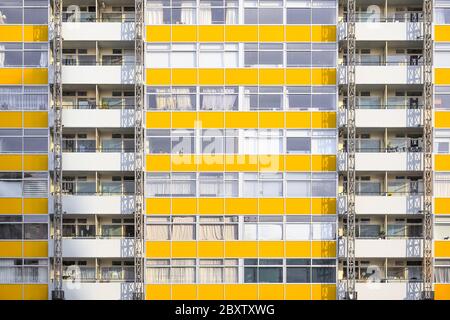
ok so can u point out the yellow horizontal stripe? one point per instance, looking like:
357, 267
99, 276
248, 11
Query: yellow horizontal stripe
31, 249
240, 163
442, 75
23, 76
442, 119
241, 76
240, 249
29, 162
240, 119
209, 206
442, 291
28, 33
442, 162
259, 291
35, 292
29, 205
442, 33
442, 249
240, 33
442, 205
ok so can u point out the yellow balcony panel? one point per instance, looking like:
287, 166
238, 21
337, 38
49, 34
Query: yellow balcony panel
184, 249
442, 76
211, 205
268, 120
35, 119
323, 162
184, 33
442, 205
11, 291
184, 76
241, 291
184, 292
241, 205
271, 292
323, 205
234, 76
271, 76
184, 205
184, 162
211, 120
298, 249
158, 162
241, 163
211, 33
271, 205
211, 249
158, 77
211, 162
211, 76
442, 119
273, 33
35, 292
35, 33
442, 33
181, 120
271, 162
35, 249
158, 33
35, 162
10, 249
241, 33
241, 249
211, 291
298, 205
323, 33
298, 292
325, 120
323, 291
298, 163
10, 162
324, 249
11, 119
157, 205
10, 206
158, 292
158, 120
442, 162
242, 119
10, 76
271, 249
295, 120
35, 76
298, 33
157, 249
442, 249
298, 76
442, 291
11, 33
323, 76
35, 206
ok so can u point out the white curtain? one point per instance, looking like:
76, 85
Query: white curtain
8, 272
231, 16
183, 231
229, 99
323, 146
300, 189
158, 188
187, 14
157, 232
183, 188
230, 275
250, 231
34, 274
2, 55
155, 15
182, 275
442, 274
246, 101
213, 99
298, 231
211, 188
270, 232
10, 188
441, 184
205, 15
158, 275
183, 99
272, 188
211, 232
211, 275
35, 102
231, 232
43, 62
323, 231
164, 100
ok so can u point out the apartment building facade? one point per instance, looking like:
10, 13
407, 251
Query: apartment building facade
246, 181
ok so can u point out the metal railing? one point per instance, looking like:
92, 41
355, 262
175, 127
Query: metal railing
106, 145
405, 16
103, 188
375, 273
92, 17
100, 274
112, 103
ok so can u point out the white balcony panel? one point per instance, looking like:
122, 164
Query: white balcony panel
98, 161
97, 291
98, 74
401, 204
388, 248
388, 161
100, 248
97, 31
388, 74
98, 118
384, 31
388, 118
92, 204
389, 291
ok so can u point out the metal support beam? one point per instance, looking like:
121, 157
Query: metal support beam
428, 151
139, 153
57, 293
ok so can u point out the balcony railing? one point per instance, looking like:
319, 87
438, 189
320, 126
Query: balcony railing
105, 103
375, 273
90, 60
103, 188
404, 16
393, 231
92, 17
101, 274
106, 145
391, 103
393, 145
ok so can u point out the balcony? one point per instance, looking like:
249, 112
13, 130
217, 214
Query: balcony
98, 74
98, 274
96, 203
96, 248
377, 248
118, 290
383, 74
98, 161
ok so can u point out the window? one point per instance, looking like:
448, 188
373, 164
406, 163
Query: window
263, 54
267, 271
442, 97
268, 12
442, 15
442, 141
175, 98
218, 98
218, 228
441, 184
23, 270
218, 55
